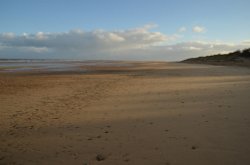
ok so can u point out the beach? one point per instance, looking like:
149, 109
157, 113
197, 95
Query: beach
137, 113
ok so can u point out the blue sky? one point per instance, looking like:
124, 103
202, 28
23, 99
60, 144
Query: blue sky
181, 21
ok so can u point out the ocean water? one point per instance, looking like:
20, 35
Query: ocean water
52, 65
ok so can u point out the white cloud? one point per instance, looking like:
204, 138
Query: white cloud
182, 29
192, 48
132, 44
41, 36
199, 29
150, 26
246, 42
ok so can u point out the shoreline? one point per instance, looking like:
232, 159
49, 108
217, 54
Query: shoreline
230, 64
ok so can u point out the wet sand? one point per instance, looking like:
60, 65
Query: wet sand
143, 113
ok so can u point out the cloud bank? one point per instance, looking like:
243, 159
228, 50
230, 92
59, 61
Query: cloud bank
132, 44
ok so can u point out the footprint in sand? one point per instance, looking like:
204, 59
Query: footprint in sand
100, 157
194, 147
151, 123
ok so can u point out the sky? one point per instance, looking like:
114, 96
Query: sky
168, 30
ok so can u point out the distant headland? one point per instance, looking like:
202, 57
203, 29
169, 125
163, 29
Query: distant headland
239, 58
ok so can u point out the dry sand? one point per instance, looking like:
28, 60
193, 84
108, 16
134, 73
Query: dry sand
151, 113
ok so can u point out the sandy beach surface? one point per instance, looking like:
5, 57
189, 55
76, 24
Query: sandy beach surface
144, 113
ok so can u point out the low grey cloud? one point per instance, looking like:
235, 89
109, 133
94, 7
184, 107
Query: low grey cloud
132, 44
183, 50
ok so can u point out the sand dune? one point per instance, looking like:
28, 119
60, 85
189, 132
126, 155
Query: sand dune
143, 113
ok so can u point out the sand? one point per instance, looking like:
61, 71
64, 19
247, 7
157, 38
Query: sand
151, 113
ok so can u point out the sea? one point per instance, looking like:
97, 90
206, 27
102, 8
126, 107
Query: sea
27, 65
